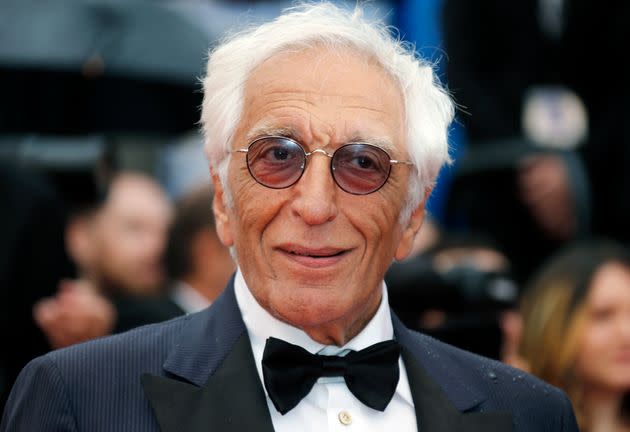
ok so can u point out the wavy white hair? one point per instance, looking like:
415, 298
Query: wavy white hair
428, 108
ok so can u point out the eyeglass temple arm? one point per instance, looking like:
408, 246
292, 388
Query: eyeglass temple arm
394, 161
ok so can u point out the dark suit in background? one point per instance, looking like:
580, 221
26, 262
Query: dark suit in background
134, 311
32, 262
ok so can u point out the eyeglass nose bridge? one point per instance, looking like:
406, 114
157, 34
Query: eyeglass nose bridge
319, 150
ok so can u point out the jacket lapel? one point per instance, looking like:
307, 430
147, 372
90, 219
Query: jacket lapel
444, 402
211, 382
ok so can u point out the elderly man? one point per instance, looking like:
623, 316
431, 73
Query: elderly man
324, 137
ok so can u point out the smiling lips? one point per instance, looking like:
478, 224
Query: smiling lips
314, 257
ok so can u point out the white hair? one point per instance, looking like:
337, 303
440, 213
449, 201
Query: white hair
428, 108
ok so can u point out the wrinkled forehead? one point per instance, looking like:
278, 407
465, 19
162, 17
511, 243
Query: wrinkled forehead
332, 87
319, 67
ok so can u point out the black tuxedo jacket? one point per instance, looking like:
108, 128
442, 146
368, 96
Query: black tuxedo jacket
197, 373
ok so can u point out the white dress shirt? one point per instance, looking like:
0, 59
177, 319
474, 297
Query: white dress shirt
188, 299
330, 406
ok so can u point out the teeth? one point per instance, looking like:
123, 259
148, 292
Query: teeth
305, 254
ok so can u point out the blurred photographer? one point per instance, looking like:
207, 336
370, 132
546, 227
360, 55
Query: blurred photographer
458, 290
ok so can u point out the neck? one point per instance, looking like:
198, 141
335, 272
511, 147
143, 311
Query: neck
603, 408
342, 331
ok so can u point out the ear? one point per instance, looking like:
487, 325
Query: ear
221, 212
411, 229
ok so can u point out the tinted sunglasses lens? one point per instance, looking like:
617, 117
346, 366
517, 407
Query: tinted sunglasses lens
275, 162
360, 168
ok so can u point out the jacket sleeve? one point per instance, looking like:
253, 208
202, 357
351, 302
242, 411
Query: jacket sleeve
39, 401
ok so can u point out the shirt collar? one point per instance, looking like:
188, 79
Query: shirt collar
261, 325
188, 298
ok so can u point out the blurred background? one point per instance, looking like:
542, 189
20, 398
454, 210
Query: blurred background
106, 221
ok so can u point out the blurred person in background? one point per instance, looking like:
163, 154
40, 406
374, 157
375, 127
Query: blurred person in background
542, 86
118, 248
198, 267
576, 332
198, 264
457, 288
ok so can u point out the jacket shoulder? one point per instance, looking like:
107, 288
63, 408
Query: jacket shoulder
530, 400
76, 387
147, 345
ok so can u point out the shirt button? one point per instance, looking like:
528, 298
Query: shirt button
345, 418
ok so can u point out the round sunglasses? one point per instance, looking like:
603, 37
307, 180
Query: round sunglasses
358, 168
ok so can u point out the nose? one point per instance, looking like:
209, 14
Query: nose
315, 193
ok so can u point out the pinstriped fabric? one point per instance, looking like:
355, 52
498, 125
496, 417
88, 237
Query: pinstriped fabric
93, 386
475, 384
96, 386
209, 339
55, 413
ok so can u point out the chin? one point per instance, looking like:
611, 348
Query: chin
310, 314
309, 311
325, 320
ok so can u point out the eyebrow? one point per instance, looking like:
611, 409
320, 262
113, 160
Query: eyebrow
384, 143
264, 130
293, 133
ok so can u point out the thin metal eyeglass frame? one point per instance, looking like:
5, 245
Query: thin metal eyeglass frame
324, 152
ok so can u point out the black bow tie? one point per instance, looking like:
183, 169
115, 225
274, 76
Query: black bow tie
290, 372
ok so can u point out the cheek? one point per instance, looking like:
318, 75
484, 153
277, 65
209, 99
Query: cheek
249, 210
595, 338
256, 210
602, 336
113, 249
596, 344
133, 247
591, 344
378, 222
